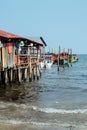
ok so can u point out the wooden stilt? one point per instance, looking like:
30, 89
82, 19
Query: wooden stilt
19, 75
0, 77
30, 74
30, 71
22, 74
58, 58
11, 75
6, 77
71, 57
58, 68
8, 73
2, 55
25, 74
34, 73
37, 69
68, 57
15, 76
64, 58
3, 78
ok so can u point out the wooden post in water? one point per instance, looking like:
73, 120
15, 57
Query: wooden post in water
37, 66
30, 71
64, 58
28, 54
25, 74
15, 75
58, 58
11, 75
3, 78
71, 57
37, 70
68, 57
6, 76
34, 73
2, 55
19, 75
30, 74
2, 67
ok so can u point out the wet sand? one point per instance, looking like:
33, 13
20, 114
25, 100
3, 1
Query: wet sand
30, 127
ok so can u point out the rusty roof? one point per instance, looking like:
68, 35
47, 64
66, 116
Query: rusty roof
8, 35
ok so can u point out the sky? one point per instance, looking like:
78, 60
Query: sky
60, 22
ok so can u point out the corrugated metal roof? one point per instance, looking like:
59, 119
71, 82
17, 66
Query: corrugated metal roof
38, 40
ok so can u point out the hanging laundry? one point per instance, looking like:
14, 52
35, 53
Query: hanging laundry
9, 47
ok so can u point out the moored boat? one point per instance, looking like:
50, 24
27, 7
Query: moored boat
74, 58
46, 64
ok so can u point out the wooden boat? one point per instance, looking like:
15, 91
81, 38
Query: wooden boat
54, 58
46, 64
74, 58
63, 58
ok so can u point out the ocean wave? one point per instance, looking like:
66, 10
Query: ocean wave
43, 109
68, 125
60, 111
38, 124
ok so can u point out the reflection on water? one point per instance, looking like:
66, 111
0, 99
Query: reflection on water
19, 93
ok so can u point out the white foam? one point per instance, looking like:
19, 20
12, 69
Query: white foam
7, 104
60, 111
43, 109
15, 121
45, 124
12, 121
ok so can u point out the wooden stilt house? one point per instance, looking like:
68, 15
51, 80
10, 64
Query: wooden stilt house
17, 55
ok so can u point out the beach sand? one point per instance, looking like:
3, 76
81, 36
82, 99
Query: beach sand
30, 127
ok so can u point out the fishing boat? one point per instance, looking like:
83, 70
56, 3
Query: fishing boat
46, 64
54, 58
74, 58
63, 58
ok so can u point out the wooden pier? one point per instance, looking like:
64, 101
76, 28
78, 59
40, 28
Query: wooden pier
20, 58
63, 58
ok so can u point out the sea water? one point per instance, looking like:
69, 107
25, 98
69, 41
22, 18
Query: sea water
57, 101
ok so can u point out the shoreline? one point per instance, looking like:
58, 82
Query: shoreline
8, 126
